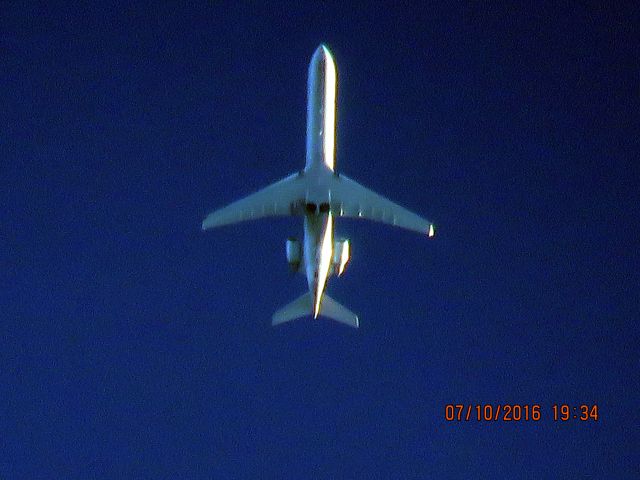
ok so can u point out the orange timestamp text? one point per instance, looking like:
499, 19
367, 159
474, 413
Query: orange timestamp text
517, 412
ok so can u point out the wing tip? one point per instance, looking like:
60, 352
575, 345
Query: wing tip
206, 224
211, 222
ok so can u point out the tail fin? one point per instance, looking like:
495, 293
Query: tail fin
303, 305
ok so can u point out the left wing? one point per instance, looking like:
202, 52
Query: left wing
350, 199
281, 198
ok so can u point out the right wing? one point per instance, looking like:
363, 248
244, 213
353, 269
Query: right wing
350, 199
281, 198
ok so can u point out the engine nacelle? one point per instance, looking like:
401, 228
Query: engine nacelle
341, 255
294, 253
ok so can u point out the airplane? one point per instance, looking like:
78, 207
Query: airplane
319, 194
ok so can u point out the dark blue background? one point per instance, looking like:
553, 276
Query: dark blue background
132, 345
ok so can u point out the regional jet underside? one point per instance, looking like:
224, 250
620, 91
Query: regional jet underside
318, 194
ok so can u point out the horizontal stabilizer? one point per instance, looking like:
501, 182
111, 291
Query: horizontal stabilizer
300, 307
303, 306
332, 309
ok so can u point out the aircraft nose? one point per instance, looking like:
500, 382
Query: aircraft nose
321, 55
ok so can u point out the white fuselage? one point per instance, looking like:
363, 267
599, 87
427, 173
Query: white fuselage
319, 166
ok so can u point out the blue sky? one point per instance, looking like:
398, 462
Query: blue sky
133, 345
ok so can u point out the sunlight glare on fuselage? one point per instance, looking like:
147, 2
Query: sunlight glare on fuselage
324, 262
329, 109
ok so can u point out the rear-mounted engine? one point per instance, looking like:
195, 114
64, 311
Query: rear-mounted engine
294, 253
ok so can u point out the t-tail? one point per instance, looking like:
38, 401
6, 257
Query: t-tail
303, 306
